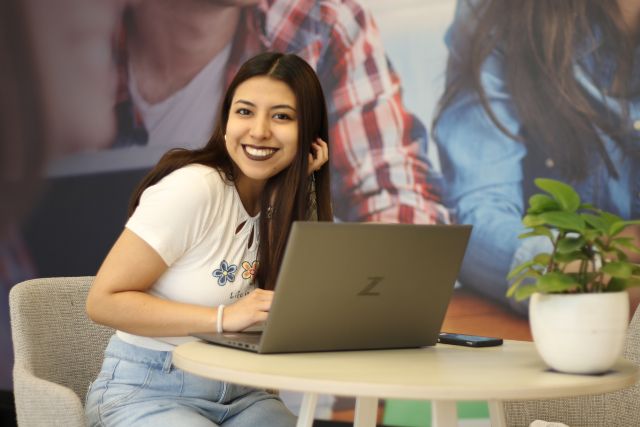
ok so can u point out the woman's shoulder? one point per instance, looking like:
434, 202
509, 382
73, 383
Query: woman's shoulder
198, 174
191, 184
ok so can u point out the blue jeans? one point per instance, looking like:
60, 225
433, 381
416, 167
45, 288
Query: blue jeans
140, 387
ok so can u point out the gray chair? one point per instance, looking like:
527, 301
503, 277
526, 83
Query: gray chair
58, 350
617, 409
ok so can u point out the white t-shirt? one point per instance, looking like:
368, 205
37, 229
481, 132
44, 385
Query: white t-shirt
198, 225
186, 118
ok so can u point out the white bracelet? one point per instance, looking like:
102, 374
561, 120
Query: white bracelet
219, 321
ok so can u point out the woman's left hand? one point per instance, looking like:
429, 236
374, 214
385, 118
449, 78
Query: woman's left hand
320, 155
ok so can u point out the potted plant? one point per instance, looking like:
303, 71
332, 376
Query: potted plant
579, 309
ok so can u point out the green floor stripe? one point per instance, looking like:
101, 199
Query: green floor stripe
409, 413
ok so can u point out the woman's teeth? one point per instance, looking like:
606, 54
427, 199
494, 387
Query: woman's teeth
259, 152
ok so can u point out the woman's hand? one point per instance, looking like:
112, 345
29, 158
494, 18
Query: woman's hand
247, 311
320, 155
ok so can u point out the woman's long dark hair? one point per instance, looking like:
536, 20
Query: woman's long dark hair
540, 40
292, 194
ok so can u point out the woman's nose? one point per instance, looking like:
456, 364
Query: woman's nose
260, 128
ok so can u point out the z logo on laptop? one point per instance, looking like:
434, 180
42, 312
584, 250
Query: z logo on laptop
368, 290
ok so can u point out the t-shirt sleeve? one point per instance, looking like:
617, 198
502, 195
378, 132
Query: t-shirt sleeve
174, 214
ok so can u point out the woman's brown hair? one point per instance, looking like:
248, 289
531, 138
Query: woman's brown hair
292, 194
541, 41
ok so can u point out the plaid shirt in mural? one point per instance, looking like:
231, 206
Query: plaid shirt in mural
378, 149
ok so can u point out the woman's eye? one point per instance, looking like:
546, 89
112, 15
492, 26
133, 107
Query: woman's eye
282, 116
243, 111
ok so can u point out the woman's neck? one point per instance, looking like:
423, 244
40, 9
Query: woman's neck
250, 192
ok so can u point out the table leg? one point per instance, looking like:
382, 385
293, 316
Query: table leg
496, 414
444, 413
307, 410
366, 412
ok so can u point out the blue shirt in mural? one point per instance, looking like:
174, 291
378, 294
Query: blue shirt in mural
489, 175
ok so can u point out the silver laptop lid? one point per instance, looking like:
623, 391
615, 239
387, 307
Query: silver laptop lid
355, 286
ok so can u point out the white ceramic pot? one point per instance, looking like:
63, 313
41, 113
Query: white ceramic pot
579, 333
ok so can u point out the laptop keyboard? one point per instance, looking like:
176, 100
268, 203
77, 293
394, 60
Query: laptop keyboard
247, 337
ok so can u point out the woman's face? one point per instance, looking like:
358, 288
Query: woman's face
262, 130
72, 44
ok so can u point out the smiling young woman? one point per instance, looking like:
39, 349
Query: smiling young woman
262, 133
197, 219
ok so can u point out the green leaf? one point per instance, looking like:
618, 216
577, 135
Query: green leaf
544, 231
591, 235
610, 218
596, 222
616, 285
563, 220
570, 244
532, 221
524, 292
539, 203
530, 274
513, 288
529, 234
537, 231
588, 207
518, 269
627, 243
619, 269
557, 282
566, 196
618, 226
542, 259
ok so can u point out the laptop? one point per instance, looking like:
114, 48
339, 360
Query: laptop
358, 286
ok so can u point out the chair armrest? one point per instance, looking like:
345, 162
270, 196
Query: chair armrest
43, 403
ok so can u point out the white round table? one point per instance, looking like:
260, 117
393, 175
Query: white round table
442, 374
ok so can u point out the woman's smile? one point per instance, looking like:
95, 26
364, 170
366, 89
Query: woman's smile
259, 153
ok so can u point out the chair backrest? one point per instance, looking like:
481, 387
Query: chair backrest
617, 409
52, 336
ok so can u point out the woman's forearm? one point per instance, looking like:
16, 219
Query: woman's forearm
139, 313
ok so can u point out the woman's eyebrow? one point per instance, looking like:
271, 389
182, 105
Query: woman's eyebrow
275, 107
242, 101
283, 106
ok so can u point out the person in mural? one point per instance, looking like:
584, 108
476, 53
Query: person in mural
175, 58
58, 89
537, 88
202, 248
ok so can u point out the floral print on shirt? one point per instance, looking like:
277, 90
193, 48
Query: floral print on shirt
250, 270
226, 273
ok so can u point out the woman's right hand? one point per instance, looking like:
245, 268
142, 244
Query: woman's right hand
247, 311
320, 155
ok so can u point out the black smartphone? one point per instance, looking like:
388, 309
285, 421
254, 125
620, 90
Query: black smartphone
468, 340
